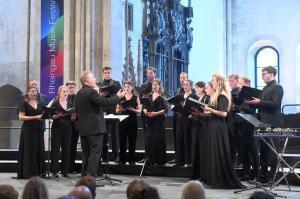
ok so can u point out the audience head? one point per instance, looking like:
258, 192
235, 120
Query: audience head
8, 192
81, 192
151, 73
65, 197
193, 190
182, 78
71, 87
268, 73
89, 182
35, 188
106, 72
261, 195
157, 86
233, 81
138, 189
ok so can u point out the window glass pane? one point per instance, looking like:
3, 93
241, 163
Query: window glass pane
266, 56
259, 80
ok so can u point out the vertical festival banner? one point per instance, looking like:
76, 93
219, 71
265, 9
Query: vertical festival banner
52, 46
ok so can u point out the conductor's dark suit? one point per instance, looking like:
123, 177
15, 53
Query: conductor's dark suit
91, 126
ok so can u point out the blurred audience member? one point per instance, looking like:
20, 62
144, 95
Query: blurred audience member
138, 189
35, 189
89, 182
8, 192
261, 195
193, 190
81, 192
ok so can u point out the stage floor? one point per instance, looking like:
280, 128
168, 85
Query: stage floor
169, 188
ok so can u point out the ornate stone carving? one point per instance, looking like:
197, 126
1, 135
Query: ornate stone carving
168, 30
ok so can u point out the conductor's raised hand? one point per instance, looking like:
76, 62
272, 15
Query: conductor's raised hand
121, 93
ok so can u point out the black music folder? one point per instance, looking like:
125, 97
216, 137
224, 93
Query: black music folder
191, 103
48, 112
145, 101
176, 99
71, 110
112, 89
248, 92
125, 103
254, 121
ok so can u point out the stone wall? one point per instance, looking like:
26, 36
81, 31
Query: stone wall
254, 24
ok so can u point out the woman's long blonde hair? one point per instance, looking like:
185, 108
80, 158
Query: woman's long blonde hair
221, 88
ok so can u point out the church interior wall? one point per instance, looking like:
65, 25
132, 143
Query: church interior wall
250, 25
259, 23
13, 38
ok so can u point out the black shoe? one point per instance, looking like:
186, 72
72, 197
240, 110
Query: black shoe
265, 181
121, 163
131, 162
245, 178
253, 181
141, 161
172, 161
116, 159
15, 177
55, 175
66, 175
178, 165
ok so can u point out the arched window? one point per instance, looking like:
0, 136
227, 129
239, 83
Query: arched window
265, 56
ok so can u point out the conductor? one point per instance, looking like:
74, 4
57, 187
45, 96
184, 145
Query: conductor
91, 124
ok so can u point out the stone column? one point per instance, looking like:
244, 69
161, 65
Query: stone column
104, 33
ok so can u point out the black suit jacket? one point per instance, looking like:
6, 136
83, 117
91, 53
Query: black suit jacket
89, 104
110, 109
270, 104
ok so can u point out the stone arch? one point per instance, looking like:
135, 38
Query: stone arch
253, 49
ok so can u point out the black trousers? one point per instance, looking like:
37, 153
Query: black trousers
60, 138
111, 138
250, 153
127, 131
183, 140
73, 148
91, 153
267, 158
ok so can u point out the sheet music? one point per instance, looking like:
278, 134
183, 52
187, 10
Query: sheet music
119, 117
51, 102
198, 102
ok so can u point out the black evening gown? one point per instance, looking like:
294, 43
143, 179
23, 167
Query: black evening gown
198, 142
220, 171
184, 135
31, 145
128, 131
156, 132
